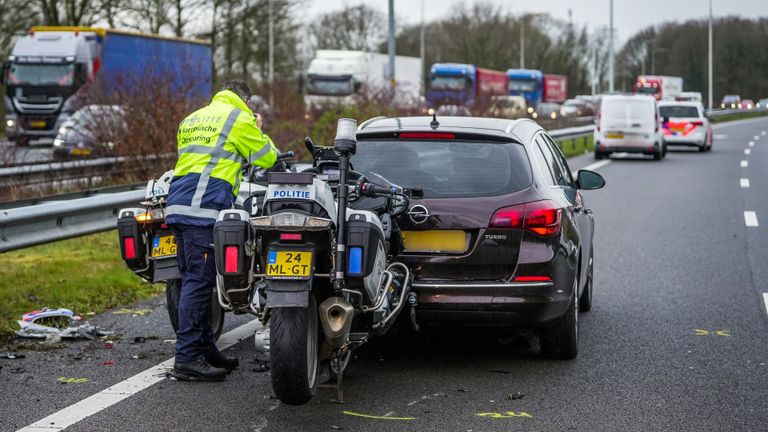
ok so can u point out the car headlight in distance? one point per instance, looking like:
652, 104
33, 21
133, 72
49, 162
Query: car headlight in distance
10, 123
722, 106
63, 130
58, 142
553, 115
530, 110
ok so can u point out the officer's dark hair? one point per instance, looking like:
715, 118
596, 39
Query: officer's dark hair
240, 88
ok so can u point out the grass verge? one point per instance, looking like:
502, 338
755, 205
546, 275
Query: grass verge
577, 146
85, 274
738, 116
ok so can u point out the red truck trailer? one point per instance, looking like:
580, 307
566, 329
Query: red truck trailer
555, 88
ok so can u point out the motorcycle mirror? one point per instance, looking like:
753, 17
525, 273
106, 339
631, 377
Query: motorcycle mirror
309, 145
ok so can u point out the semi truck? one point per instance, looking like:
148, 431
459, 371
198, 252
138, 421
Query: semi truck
52, 71
340, 76
463, 85
659, 86
537, 87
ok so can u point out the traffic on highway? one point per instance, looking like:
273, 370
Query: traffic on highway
200, 234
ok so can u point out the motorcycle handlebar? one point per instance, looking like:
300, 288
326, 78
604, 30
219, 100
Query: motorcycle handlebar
371, 190
286, 155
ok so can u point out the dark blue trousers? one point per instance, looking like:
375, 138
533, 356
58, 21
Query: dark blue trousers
194, 253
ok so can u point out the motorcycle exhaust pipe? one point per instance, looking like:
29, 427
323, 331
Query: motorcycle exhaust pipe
336, 319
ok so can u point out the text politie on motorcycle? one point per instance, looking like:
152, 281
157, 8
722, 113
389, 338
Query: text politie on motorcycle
214, 143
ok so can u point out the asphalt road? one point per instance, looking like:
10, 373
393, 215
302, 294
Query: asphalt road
675, 341
10, 154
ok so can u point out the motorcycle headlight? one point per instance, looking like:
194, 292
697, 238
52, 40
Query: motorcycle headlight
155, 215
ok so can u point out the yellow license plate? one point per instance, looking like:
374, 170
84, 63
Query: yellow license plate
289, 264
438, 241
163, 246
614, 135
81, 152
37, 124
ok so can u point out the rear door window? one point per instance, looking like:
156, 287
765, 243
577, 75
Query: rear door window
445, 169
679, 111
567, 178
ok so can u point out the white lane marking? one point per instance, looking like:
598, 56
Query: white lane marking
595, 165
738, 123
762, 132
757, 137
719, 136
747, 151
751, 143
765, 300
750, 218
744, 182
104, 399
744, 164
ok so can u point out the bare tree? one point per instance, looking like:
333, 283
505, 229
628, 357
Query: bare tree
67, 12
358, 28
147, 15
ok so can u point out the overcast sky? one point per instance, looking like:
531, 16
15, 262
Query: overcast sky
629, 16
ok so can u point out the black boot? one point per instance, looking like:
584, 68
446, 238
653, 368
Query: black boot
198, 370
219, 360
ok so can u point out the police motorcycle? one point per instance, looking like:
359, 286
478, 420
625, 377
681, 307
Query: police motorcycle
148, 246
314, 267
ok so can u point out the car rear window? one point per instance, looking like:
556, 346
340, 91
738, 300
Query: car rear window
679, 111
446, 169
619, 109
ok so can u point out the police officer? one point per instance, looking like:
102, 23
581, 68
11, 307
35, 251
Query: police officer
214, 143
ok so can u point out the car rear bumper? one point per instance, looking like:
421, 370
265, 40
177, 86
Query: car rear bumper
489, 304
690, 140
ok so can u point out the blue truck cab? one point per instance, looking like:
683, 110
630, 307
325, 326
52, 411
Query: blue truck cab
528, 83
451, 84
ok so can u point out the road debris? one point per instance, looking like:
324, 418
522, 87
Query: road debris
500, 371
12, 356
139, 339
109, 344
334, 427
515, 396
56, 324
66, 380
109, 363
134, 312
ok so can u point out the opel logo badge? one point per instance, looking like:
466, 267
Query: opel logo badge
418, 214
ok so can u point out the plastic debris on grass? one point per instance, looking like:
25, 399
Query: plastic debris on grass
49, 324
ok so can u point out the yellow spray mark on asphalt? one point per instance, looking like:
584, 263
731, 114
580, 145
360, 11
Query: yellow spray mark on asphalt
132, 311
506, 415
354, 414
72, 380
701, 332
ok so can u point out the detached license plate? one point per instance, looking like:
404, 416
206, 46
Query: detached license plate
614, 135
163, 246
436, 241
289, 264
37, 124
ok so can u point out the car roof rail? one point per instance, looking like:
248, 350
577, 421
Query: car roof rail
517, 123
369, 121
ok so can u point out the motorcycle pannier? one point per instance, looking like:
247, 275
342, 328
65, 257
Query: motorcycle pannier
363, 238
230, 235
133, 246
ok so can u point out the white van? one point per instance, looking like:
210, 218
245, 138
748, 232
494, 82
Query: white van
628, 123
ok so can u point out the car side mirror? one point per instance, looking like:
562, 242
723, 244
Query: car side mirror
589, 180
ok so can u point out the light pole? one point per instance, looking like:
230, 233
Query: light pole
709, 92
271, 55
391, 44
610, 53
422, 52
522, 43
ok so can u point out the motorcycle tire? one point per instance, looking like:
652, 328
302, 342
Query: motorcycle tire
172, 297
294, 340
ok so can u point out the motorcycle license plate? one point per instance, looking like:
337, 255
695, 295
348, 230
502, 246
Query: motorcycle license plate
289, 264
163, 246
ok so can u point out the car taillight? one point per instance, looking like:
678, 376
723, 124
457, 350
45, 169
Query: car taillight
599, 115
130, 247
508, 217
231, 254
697, 123
427, 135
657, 122
540, 217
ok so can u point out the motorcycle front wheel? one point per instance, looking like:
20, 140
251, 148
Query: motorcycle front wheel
172, 296
294, 339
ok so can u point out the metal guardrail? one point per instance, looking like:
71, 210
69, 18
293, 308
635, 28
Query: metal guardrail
573, 132
52, 221
43, 172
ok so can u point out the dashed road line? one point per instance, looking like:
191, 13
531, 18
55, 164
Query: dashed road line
596, 165
744, 182
765, 300
744, 164
751, 143
763, 133
104, 399
757, 137
750, 219
747, 151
